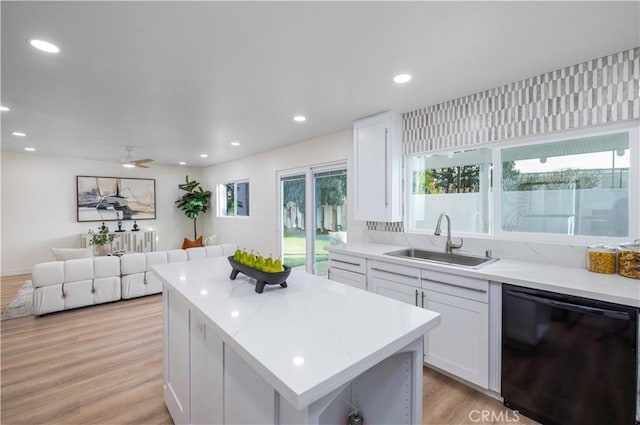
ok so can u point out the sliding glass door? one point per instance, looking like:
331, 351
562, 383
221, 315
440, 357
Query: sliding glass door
313, 215
293, 190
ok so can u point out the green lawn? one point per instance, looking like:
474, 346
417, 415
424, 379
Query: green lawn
294, 247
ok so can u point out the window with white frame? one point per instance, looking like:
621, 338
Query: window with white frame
458, 183
572, 187
233, 199
580, 186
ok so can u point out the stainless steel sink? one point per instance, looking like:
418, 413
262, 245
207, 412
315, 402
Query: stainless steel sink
469, 261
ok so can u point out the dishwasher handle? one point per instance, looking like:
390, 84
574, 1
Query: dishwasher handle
619, 315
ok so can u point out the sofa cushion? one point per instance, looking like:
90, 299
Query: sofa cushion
211, 240
213, 251
46, 274
78, 270
228, 249
176, 256
156, 257
64, 254
108, 266
196, 254
188, 243
133, 263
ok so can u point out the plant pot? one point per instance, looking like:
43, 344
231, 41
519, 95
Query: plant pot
101, 250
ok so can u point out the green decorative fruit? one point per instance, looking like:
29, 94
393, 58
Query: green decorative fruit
237, 255
277, 266
260, 263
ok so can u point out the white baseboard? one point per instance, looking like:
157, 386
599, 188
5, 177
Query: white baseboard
15, 272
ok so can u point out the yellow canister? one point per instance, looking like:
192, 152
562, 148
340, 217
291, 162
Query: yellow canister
601, 258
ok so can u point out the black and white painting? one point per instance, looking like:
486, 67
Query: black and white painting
114, 198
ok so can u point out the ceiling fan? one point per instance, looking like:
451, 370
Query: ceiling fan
129, 162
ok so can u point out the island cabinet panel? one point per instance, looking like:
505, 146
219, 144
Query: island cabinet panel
249, 399
206, 373
176, 365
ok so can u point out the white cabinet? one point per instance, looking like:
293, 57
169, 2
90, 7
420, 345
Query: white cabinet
395, 281
460, 345
192, 364
377, 144
206, 372
176, 356
347, 269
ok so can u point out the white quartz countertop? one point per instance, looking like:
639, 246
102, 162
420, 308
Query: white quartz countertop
305, 340
566, 280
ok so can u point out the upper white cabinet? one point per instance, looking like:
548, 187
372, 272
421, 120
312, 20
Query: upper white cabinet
377, 143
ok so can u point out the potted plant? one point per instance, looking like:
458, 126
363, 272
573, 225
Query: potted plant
101, 239
194, 202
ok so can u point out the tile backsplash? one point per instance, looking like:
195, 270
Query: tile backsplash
596, 92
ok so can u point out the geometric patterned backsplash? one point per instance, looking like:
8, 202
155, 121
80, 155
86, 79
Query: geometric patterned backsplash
396, 226
599, 91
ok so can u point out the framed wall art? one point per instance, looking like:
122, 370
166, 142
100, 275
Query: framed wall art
115, 198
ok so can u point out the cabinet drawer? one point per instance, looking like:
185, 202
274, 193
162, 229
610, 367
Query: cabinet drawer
394, 272
397, 291
356, 280
459, 286
348, 262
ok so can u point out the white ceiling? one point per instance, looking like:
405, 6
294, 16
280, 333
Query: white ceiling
176, 79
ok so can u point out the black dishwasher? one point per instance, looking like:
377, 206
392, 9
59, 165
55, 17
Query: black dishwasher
568, 360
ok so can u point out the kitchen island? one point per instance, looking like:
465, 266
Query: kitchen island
305, 354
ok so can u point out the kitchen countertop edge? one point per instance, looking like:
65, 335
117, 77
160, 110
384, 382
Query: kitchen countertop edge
566, 280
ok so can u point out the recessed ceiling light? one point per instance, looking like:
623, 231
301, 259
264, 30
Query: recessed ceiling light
30, 149
45, 46
4, 108
204, 155
299, 118
402, 78
235, 143
182, 163
19, 134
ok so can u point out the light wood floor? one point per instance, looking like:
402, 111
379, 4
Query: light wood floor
103, 365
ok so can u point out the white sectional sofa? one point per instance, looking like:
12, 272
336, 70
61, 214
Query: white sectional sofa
63, 285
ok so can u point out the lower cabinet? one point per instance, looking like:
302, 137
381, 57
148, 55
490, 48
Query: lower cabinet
460, 344
395, 281
347, 269
193, 372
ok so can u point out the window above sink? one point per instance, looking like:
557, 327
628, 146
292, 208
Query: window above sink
577, 187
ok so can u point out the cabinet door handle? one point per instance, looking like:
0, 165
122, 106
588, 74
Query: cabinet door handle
346, 262
422, 299
416, 298
393, 273
386, 176
457, 286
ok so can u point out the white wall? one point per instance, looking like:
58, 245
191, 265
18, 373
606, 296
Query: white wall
260, 230
39, 206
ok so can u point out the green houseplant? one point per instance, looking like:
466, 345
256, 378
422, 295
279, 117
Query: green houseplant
194, 201
101, 238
